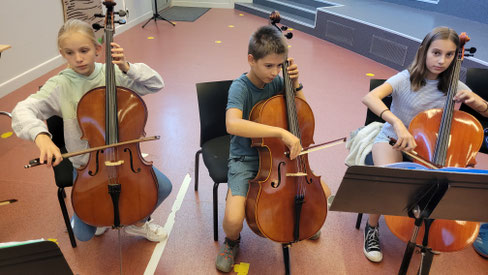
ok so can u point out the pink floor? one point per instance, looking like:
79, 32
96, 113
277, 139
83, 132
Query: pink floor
334, 78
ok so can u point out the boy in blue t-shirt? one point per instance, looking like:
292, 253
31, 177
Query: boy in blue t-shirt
266, 53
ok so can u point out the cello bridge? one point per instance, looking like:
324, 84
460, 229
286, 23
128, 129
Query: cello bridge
299, 174
114, 163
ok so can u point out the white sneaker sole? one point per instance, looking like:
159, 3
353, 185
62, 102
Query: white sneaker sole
375, 258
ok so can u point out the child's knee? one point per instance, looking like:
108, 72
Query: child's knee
326, 188
234, 220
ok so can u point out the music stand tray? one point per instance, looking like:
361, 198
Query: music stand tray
391, 191
421, 194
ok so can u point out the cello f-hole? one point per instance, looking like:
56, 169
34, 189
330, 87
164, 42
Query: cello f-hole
97, 164
275, 184
131, 161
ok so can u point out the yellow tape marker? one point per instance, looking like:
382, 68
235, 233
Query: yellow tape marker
53, 240
150, 37
230, 26
218, 42
242, 268
370, 74
240, 14
7, 134
290, 29
289, 46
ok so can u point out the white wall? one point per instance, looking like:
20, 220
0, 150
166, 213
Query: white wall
31, 27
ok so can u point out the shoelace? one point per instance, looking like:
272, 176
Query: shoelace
227, 251
154, 228
372, 239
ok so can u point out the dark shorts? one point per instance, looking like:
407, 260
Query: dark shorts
241, 170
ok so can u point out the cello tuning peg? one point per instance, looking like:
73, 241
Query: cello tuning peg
470, 51
121, 13
289, 35
284, 28
99, 15
97, 26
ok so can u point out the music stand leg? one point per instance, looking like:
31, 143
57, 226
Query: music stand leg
426, 261
406, 258
410, 248
156, 16
286, 257
427, 255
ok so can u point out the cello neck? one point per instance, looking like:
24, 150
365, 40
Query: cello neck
111, 122
291, 109
442, 143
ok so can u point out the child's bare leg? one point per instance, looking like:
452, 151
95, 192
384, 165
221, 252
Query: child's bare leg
383, 154
326, 188
234, 215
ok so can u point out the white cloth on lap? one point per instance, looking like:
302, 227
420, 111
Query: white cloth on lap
361, 143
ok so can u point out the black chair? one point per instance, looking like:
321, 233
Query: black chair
63, 173
214, 140
477, 80
372, 117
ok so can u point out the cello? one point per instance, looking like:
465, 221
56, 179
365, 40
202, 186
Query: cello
117, 186
285, 202
447, 138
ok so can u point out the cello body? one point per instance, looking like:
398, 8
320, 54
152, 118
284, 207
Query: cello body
465, 128
270, 203
90, 197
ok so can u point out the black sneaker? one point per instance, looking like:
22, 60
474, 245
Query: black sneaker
227, 254
372, 249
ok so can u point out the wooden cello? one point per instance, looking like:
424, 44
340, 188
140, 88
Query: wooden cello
447, 138
117, 186
285, 202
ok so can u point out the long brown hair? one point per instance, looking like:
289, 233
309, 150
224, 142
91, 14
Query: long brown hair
418, 68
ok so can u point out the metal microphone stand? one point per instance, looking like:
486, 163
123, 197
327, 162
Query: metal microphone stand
157, 16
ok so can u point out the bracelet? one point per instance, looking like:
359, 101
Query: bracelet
381, 114
300, 87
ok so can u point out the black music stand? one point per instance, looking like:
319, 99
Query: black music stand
420, 194
157, 16
43, 257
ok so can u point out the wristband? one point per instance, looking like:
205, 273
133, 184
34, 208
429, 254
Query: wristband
300, 87
381, 114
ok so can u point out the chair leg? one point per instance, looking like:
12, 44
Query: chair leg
197, 165
215, 211
62, 203
358, 221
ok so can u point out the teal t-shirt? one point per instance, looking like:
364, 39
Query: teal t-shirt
243, 95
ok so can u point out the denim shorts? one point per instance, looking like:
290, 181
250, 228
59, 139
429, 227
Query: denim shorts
381, 137
241, 170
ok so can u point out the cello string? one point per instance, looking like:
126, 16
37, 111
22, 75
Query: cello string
440, 153
292, 114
